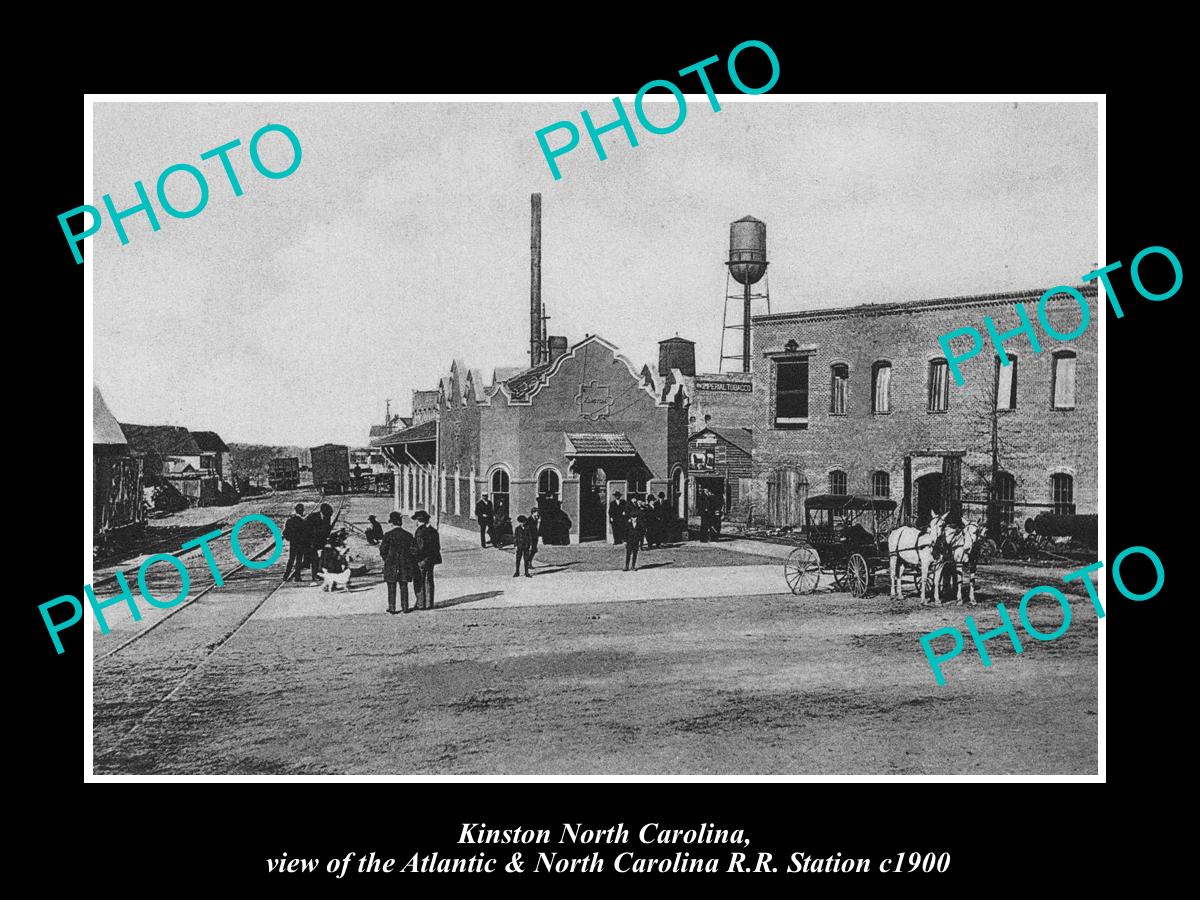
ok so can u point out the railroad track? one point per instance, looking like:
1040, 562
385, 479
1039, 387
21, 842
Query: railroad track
275, 585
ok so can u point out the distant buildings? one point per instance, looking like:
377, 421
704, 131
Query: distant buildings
196, 464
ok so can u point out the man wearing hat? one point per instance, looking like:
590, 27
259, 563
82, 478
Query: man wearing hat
295, 532
429, 554
398, 550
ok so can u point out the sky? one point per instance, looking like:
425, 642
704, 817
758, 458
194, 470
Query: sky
289, 315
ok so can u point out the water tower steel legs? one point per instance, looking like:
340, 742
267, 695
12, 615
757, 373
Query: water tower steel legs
746, 331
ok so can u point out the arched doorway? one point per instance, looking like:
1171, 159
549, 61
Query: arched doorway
500, 484
929, 498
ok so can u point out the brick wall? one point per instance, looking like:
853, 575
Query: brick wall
525, 438
1035, 440
722, 401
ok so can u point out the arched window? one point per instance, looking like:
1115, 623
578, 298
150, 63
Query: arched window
837, 482
881, 484
1005, 494
1062, 494
500, 491
1063, 380
549, 485
881, 387
840, 377
939, 385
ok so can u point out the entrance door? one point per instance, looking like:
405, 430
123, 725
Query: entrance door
929, 498
716, 492
593, 500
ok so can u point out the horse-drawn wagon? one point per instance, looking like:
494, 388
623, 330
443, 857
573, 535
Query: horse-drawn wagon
845, 540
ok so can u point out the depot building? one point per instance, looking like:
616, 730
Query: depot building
564, 436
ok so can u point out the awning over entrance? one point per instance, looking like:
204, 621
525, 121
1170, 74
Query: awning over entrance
599, 443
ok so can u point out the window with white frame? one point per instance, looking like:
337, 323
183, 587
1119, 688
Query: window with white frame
881, 485
840, 376
791, 393
1062, 494
837, 482
1063, 380
881, 387
1006, 383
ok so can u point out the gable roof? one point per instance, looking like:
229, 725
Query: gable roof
166, 440
105, 427
742, 438
209, 442
379, 431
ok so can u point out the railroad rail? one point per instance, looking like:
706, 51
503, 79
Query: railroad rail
216, 645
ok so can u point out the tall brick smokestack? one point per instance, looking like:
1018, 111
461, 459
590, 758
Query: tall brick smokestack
537, 352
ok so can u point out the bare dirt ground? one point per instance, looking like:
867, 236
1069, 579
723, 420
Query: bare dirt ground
755, 684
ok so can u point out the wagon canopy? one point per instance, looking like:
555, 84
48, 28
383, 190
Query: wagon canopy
842, 502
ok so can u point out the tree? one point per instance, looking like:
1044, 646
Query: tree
1002, 445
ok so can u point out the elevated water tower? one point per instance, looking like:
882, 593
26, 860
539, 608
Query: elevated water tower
747, 266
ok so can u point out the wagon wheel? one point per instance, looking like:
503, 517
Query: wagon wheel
803, 570
838, 574
858, 574
987, 551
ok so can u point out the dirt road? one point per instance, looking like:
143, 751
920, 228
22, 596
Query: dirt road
754, 684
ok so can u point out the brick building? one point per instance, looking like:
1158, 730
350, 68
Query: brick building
861, 401
564, 435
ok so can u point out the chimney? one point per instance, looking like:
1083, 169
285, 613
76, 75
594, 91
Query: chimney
558, 347
537, 351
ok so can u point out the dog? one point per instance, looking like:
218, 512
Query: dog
333, 579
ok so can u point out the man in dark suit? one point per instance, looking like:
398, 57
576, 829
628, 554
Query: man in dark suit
486, 516
653, 522
399, 552
617, 514
318, 524
635, 533
535, 531
429, 554
523, 543
295, 533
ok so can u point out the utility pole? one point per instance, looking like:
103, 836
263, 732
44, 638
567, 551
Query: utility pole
993, 515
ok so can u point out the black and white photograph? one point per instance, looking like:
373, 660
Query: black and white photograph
425, 443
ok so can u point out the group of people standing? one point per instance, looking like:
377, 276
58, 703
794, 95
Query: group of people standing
637, 522
410, 557
307, 537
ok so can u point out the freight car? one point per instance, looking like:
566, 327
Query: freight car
331, 468
283, 473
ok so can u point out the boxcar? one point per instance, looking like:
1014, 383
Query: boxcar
283, 473
331, 468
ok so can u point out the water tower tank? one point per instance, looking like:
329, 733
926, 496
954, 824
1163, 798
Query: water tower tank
747, 249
